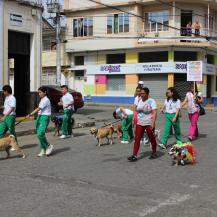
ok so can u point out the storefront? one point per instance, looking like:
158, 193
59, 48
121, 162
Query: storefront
116, 83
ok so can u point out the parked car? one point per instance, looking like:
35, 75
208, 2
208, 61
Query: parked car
55, 93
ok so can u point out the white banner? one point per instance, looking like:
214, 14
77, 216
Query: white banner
143, 68
194, 71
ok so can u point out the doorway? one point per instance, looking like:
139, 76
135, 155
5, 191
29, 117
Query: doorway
186, 17
19, 51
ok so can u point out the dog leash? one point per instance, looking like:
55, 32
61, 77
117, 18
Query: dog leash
114, 122
19, 122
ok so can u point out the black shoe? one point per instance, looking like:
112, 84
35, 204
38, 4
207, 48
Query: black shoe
153, 156
190, 138
132, 158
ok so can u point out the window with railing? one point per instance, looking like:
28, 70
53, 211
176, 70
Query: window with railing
48, 44
83, 27
156, 21
118, 23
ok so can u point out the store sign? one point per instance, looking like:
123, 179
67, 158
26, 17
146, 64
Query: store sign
194, 71
16, 20
144, 68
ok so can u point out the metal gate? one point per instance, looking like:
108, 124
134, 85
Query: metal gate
181, 84
157, 85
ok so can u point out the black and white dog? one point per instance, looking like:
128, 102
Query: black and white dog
58, 121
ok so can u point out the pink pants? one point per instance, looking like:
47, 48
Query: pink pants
193, 130
138, 135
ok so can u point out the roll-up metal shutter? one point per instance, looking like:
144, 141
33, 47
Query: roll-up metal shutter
181, 84
157, 85
116, 82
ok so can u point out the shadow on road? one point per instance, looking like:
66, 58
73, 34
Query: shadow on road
60, 150
29, 146
148, 154
87, 111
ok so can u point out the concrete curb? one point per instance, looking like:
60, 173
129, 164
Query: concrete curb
52, 128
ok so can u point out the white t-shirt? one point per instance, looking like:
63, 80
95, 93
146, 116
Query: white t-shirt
45, 106
172, 106
145, 118
10, 102
120, 114
192, 106
66, 100
136, 100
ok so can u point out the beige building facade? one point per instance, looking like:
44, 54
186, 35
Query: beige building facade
122, 42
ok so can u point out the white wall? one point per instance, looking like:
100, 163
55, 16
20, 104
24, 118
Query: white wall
1, 42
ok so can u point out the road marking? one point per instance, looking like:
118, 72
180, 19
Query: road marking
172, 200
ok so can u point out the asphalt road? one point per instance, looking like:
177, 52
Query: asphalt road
83, 180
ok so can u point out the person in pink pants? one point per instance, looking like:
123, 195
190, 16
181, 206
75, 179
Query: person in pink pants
193, 99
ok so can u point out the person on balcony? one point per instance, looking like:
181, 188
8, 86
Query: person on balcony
189, 29
197, 27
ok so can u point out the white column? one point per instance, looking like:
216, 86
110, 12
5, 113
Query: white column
208, 24
1, 42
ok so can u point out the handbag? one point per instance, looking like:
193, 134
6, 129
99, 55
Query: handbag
202, 109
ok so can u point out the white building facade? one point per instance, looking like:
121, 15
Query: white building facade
21, 44
112, 49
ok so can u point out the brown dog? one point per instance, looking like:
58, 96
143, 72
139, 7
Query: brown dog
118, 130
102, 133
10, 142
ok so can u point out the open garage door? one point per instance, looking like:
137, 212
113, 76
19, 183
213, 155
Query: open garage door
19, 50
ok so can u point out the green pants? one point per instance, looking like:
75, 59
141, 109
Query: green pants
127, 128
8, 124
42, 122
67, 122
167, 128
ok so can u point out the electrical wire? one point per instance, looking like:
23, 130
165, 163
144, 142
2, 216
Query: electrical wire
143, 18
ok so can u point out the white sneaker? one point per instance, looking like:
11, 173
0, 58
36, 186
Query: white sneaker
145, 141
124, 142
63, 137
12, 149
42, 153
49, 150
162, 146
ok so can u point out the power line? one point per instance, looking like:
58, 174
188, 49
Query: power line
181, 9
141, 17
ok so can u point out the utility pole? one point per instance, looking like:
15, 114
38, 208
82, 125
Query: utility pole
53, 6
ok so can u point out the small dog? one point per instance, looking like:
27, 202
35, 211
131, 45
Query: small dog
58, 121
102, 133
183, 154
10, 142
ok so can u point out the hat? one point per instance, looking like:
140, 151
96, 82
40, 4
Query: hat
141, 82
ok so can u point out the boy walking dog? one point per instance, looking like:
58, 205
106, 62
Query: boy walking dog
126, 115
42, 121
8, 120
67, 102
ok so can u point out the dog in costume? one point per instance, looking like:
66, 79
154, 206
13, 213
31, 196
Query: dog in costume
182, 154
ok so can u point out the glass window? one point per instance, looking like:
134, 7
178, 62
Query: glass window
157, 21
118, 23
110, 23
115, 58
79, 60
83, 27
148, 57
184, 56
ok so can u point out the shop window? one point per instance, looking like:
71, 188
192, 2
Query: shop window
184, 56
210, 59
83, 27
156, 21
115, 58
147, 57
48, 77
79, 73
79, 60
117, 23
116, 83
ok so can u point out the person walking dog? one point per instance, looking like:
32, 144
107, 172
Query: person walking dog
42, 122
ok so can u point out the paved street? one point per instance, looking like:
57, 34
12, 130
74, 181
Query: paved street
83, 180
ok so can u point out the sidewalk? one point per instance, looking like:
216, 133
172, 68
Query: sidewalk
28, 127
